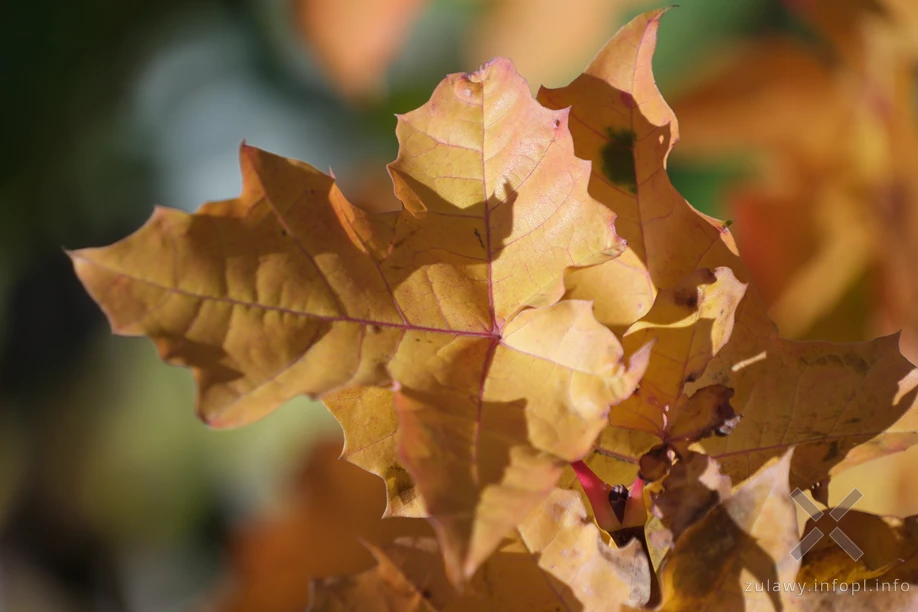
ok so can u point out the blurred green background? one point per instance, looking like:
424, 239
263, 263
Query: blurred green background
112, 495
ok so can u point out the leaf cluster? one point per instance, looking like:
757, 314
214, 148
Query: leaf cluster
544, 318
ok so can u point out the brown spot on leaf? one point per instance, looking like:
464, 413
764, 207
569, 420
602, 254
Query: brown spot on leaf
687, 297
656, 463
820, 492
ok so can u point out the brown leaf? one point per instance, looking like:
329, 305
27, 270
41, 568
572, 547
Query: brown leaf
748, 537
693, 486
708, 412
657, 462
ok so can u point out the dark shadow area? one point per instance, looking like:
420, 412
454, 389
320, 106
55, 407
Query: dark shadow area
719, 554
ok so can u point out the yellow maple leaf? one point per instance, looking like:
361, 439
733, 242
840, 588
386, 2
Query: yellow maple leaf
452, 302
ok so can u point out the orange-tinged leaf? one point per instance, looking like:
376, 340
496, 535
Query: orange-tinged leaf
806, 122
451, 302
836, 131
839, 404
773, 98
355, 41
745, 539
320, 531
486, 171
519, 29
621, 123
383, 588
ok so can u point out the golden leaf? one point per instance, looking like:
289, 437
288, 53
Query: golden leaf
452, 302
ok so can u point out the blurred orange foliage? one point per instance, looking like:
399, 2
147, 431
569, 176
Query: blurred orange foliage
835, 195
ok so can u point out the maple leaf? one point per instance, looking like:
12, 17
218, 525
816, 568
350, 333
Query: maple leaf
694, 486
746, 538
452, 302
738, 556
840, 405
687, 325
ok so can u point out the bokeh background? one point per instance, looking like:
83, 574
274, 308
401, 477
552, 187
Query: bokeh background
797, 121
